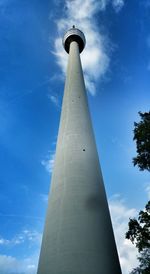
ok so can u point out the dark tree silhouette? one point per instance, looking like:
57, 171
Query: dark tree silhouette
139, 234
144, 266
139, 230
142, 138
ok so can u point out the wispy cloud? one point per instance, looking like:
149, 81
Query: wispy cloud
148, 45
54, 99
95, 57
48, 163
10, 265
26, 264
44, 197
120, 214
20, 216
147, 189
117, 4
25, 236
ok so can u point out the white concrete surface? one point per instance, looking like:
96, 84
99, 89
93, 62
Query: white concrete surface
78, 236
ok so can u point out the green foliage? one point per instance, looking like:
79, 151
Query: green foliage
142, 138
144, 259
139, 230
139, 234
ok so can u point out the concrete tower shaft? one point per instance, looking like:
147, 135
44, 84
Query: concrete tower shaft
78, 236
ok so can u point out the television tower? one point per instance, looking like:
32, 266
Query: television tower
78, 236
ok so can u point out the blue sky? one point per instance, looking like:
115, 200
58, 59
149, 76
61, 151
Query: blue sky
116, 63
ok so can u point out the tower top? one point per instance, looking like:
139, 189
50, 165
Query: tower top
71, 35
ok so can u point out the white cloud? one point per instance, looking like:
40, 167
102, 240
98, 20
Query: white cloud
32, 237
49, 163
147, 189
4, 241
118, 4
25, 265
120, 214
54, 99
44, 197
95, 57
11, 265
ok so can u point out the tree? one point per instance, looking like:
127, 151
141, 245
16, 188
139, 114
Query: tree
142, 138
139, 230
144, 259
139, 234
